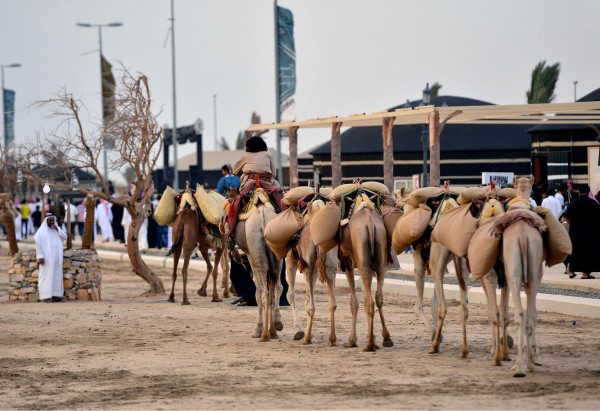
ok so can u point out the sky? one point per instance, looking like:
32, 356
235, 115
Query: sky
353, 56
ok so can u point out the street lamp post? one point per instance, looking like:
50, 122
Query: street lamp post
89, 25
425, 135
4, 122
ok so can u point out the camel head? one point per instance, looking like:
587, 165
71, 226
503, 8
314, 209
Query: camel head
523, 185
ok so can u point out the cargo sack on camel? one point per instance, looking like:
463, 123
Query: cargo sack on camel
410, 227
455, 228
280, 230
325, 226
483, 248
211, 208
165, 212
294, 195
421, 195
557, 240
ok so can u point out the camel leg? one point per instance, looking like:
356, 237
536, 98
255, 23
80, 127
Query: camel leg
387, 340
186, 262
224, 260
489, 282
215, 273
438, 258
209, 268
276, 318
504, 293
514, 282
369, 310
353, 308
274, 294
174, 276
420, 286
332, 306
533, 355
464, 350
310, 282
290, 275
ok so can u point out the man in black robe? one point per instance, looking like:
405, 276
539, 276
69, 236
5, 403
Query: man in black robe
583, 215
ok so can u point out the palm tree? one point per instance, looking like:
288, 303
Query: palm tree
435, 89
543, 83
223, 144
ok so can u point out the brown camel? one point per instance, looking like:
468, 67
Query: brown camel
312, 263
249, 236
188, 235
364, 246
523, 254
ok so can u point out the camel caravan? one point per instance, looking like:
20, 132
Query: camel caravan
491, 234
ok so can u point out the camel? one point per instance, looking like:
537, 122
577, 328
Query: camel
523, 254
306, 256
188, 234
364, 246
249, 236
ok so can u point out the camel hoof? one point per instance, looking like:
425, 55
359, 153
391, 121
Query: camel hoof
350, 344
496, 362
464, 354
519, 374
216, 300
369, 348
507, 358
306, 342
202, 292
257, 333
388, 343
225, 295
299, 335
278, 325
171, 300
433, 350
509, 341
264, 339
332, 343
185, 302
274, 336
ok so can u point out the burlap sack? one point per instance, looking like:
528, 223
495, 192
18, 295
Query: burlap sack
327, 246
165, 210
454, 230
471, 193
483, 248
325, 191
337, 192
279, 251
557, 241
410, 227
218, 198
282, 227
391, 215
211, 210
505, 193
325, 224
293, 195
376, 187
512, 216
421, 195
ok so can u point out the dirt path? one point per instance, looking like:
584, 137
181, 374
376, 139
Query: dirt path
130, 352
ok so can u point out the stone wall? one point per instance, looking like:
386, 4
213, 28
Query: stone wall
82, 276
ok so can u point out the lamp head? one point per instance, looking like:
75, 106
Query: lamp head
426, 95
46, 188
84, 24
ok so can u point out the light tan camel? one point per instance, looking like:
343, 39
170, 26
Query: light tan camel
364, 246
312, 263
523, 254
249, 236
188, 234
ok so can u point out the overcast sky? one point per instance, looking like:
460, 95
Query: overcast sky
352, 55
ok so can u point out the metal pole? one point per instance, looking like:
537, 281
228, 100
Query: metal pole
215, 120
277, 106
175, 159
575, 90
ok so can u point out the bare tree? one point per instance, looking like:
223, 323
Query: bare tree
137, 141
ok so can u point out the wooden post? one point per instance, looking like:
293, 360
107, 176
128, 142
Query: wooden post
87, 239
387, 127
293, 159
434, 148
336, 155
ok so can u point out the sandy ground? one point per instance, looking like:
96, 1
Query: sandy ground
129, 352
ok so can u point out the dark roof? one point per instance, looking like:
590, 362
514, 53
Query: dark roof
593, 96
455, 137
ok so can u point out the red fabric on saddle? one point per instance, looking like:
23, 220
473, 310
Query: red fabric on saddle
273, 191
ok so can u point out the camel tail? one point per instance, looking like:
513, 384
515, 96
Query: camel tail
272, 272
321, 267
371, 232
524, 259
177, 244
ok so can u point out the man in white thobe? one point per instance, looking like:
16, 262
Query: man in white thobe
104, 217
551, 203
49, 253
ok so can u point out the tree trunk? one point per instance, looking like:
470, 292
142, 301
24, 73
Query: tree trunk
388, 153
336, 155
88, 226
8, 220
434, 149
68, 216
133, 250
